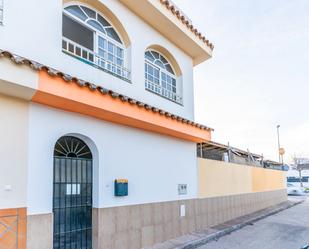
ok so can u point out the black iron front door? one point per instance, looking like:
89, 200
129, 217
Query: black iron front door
72, 195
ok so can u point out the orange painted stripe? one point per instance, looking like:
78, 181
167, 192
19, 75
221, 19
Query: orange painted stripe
55, 92
8, 212
22, 228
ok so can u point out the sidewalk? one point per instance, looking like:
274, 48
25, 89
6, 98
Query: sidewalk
194, 240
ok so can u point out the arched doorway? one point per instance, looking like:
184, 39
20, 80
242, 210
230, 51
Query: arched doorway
72, 194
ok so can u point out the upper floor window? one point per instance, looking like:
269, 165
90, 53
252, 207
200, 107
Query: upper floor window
88, 36
1, 11
160, 77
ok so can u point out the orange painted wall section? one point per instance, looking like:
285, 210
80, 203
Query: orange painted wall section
14, 228
218, 178
55, 92
267, 179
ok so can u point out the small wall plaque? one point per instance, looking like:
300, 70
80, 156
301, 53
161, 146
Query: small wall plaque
182, 189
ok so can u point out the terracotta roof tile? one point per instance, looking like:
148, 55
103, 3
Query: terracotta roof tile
82, 83
170, 6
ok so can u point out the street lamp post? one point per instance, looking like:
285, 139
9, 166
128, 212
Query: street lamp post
278, 126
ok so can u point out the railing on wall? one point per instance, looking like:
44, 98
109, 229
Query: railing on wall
297, 179
92, 58
156, 88
226, 153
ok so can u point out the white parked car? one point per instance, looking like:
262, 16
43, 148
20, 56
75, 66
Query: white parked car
294, 190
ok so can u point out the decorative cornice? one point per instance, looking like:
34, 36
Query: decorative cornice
175, 11
82, 83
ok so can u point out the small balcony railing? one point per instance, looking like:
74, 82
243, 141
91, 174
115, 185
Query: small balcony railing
155, 88
92, 58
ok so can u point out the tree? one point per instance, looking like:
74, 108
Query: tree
300, 164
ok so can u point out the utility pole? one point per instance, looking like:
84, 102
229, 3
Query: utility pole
278, 126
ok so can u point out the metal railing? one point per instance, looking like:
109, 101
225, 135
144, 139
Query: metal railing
92, 58
232, 155
153, 87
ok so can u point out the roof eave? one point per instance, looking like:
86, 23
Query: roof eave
50, 87
174, 27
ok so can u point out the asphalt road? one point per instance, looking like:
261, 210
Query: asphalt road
288, 229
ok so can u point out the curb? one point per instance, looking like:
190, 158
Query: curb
200, 242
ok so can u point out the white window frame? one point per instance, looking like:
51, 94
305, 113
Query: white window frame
159, 88
99, 60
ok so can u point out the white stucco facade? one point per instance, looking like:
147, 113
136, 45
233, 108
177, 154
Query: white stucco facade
13, 152
133, 110
153, 164
39, 38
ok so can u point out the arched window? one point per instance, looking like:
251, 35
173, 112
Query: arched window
72, 147
160, 76
91, 38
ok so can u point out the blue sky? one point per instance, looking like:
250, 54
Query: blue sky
259, 74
